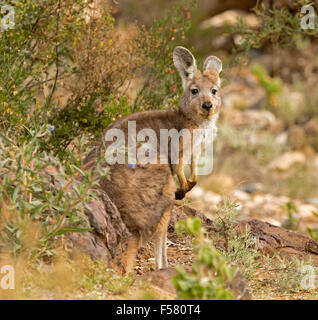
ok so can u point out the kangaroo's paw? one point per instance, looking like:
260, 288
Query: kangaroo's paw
191, 184
180, 194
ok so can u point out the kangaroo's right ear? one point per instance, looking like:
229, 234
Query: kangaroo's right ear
185, 63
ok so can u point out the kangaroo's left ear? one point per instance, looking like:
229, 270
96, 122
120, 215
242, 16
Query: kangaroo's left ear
214, 63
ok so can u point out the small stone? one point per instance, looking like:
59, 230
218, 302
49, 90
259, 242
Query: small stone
306, 210
196, 193
311, 127
282, 138
241, 195
287, 160
251, 188
313, 201
259, 199
230, 17
212, 198
218, 183
297, 137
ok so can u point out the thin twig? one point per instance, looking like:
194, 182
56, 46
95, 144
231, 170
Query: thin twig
56, 54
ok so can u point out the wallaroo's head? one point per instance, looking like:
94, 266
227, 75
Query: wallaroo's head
201, 99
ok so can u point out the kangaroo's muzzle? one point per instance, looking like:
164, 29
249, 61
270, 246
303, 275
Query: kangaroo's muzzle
207, 106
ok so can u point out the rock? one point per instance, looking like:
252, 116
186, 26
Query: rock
218, 183
297, 137
240, 195
251, 188
259, 199
161, 282
229, 18
109, 236
311, 127
272, 221
212, 198
277, 200
90, 244
282, 138
105, 218
196, 193
259, 119
313, 201
276, 240
306, 210
238, 96
263, 119
270, 239
182, 212
308, 151
239, 288
287, 160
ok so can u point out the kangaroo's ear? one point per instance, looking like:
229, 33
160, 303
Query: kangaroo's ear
214, 63
185, 64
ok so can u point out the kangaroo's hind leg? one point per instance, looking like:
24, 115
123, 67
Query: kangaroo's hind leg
129, 255
160, 240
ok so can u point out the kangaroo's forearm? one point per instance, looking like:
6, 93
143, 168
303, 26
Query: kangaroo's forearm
180, 173
194, 167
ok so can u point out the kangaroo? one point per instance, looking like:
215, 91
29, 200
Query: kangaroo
144, 193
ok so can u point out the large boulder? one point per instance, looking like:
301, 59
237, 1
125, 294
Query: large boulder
276, 240
109, 236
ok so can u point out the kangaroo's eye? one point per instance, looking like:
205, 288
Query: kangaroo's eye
194, 91
214, 91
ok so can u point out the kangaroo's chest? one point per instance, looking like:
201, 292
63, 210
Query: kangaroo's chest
200, 137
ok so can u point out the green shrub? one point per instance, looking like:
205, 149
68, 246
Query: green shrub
96, 276
288, 274
272, 86
279, 27
41, 198
210, 273
239, 248
313, 232
292, 222
58, 67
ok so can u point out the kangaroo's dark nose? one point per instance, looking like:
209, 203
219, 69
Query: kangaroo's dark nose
207, 106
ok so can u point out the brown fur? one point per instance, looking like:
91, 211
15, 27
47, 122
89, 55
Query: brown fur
144, 195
